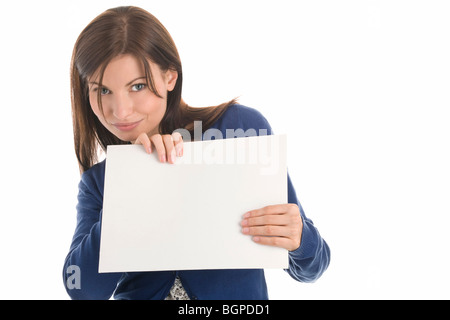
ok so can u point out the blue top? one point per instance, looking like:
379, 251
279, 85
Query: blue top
306, 264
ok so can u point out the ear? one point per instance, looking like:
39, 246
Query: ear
171, 79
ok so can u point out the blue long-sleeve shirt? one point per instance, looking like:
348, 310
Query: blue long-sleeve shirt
306, 264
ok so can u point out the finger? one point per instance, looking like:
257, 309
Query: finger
290, 218
145, 141
178, 140
272, 220
159, 146
268, 210
278, 219
281, 242
276, 225
269, 231
170, 147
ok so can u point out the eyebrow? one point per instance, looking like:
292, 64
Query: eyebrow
93, 82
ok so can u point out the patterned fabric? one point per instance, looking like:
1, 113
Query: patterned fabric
177, 291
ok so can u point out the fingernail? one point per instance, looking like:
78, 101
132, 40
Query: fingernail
247, 215
244, 223
172, 156
245, 230
176, 136
256, 239
149, 149
163, 158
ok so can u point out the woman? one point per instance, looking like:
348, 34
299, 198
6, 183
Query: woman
126, 81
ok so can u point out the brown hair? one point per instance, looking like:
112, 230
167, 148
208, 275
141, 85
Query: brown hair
126, 30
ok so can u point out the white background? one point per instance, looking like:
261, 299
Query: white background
360, 87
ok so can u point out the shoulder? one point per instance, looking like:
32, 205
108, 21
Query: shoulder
238, 116
92, 180
243, 114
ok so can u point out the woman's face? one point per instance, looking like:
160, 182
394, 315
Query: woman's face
129, 106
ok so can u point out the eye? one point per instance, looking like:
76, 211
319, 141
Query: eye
137, 87
104, 91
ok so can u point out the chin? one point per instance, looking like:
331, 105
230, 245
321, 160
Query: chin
128, 137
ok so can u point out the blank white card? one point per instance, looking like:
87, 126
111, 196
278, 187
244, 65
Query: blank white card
184, 216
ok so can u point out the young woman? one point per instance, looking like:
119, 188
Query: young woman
126, 81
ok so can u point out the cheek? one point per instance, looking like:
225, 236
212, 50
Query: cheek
96, 108
94, 104
149, 104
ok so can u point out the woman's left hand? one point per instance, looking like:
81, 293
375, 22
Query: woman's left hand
276, 225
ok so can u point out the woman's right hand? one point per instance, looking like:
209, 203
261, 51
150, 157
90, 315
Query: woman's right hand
168, 146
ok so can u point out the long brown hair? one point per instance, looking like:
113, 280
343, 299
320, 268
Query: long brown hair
126, 30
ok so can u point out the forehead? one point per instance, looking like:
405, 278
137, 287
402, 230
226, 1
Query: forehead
122, 69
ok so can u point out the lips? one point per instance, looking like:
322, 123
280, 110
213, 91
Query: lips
126, 126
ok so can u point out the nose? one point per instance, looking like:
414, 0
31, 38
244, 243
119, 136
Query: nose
122, 106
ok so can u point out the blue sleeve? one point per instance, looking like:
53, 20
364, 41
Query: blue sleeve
80, 273
311, 259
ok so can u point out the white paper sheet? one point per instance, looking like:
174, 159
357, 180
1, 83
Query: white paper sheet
161, 216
